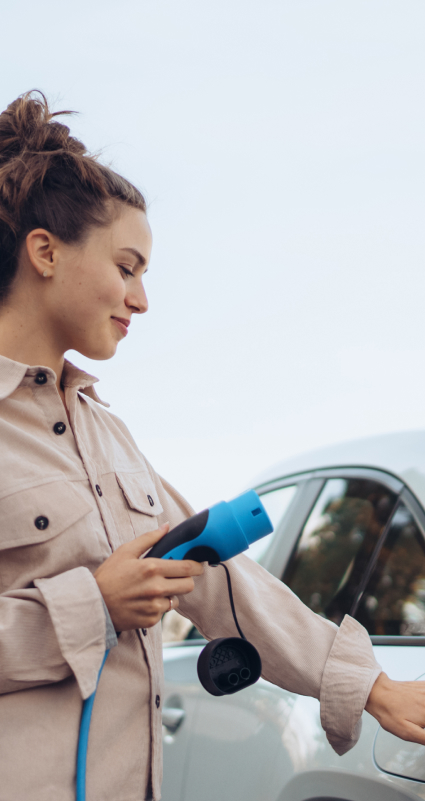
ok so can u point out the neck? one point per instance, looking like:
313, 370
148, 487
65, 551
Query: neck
24, 339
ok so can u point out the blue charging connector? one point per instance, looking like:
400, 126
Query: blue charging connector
218, 533
214, 535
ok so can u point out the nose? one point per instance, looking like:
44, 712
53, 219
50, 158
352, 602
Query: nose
136, 299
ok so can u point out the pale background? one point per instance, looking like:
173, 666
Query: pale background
281, 147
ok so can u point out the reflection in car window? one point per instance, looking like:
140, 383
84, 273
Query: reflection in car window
336, 544
276, 504
394, 600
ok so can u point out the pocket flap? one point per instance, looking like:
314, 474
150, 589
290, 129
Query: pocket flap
40, 513
140, 493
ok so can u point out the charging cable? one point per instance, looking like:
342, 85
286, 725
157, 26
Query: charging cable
83, 739
232, 603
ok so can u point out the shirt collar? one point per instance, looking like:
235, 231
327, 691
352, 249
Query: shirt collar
12, 375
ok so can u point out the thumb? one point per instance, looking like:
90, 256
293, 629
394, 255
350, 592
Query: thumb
142, 544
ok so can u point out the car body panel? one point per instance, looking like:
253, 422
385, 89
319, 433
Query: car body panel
401, 454
270, 739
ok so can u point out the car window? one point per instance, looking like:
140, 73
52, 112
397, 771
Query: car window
394, 600
276, 504
336, 544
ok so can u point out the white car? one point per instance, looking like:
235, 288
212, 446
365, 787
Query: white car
349, 538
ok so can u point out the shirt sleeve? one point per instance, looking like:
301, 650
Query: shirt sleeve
51, 631
300, 651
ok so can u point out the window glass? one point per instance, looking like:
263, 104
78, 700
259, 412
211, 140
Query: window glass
276, 504
394, 600
335, 546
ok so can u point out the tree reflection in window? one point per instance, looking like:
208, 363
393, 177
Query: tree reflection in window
336, 544
394, 600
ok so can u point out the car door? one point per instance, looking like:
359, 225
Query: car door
392, 607
178, 714
362, 552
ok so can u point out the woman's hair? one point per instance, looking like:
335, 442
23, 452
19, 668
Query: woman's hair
49, 180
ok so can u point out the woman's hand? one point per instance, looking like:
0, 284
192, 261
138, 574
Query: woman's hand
137, 591
399, 706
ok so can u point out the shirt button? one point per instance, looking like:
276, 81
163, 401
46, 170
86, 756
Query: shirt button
59, 428
99, 491
40, 378
41, 522
151, 501
157, 701
144, 632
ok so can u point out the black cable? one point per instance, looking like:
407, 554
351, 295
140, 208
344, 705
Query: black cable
229, 587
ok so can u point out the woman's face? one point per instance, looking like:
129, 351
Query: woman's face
97, 286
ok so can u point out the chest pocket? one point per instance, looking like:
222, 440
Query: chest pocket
31, 524
141, 501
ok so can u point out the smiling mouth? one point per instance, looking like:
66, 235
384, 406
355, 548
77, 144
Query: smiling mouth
122, 324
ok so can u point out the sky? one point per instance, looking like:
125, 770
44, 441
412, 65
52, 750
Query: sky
281, 148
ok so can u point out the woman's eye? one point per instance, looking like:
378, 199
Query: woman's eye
125, 271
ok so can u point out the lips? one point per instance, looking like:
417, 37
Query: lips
122, 324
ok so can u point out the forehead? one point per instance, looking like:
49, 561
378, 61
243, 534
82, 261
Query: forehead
130, 229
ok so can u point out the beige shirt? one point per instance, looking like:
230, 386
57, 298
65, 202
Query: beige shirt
69, 496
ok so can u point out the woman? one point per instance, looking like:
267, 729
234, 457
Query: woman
79, 505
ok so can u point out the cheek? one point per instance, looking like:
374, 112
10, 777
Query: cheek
114, 291
97, 292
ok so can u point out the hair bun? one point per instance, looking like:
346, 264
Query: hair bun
26, 127
49, 180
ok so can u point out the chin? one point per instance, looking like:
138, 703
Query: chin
98, 352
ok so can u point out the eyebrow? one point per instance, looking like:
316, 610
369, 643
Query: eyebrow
140, 259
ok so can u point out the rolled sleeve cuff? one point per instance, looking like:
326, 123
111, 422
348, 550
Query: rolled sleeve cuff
349, 675
76, 608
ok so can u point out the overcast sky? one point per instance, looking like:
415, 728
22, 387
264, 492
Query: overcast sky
281, 147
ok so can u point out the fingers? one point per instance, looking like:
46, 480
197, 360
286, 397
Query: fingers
139, 615
407, 731
137, 591
142, 544
153, 612
174, 568
143, 585
182, 586
174, 603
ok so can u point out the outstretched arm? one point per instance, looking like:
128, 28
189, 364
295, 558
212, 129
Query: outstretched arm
301, 651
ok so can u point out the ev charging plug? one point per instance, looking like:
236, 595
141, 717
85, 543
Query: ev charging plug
227, 664
218, 533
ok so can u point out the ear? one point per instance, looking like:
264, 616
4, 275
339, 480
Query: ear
42, 251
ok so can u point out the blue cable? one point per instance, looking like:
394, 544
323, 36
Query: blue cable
83, 739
